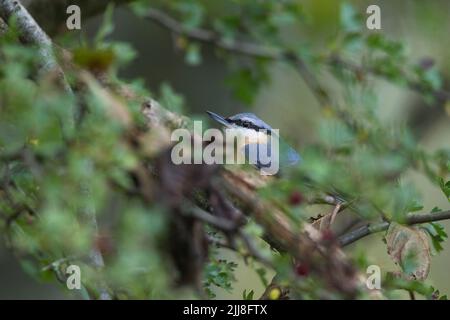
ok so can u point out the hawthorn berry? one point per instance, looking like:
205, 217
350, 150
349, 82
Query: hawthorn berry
328, 235
301, 269
104, 244
295, 198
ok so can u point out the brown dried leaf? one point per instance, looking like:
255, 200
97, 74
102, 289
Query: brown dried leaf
409, 247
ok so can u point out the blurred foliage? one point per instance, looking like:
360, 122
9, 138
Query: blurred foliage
57, 173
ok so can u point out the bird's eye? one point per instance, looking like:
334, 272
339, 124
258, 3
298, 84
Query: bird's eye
245, 124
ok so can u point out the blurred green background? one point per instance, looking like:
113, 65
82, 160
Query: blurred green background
285, 103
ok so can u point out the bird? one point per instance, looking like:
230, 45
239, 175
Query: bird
257, 132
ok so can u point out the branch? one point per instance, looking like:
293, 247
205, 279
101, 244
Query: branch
273, 53
369, 229
440, 95
32, 34
30, 31
241, 47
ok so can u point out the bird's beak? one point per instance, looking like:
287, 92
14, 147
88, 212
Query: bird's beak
219, 119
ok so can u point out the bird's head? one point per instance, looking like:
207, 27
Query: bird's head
258, 132
248, 124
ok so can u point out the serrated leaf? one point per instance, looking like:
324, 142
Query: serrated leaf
437, 234
445, 187
409, 247
436, 209
248, 296
107, 26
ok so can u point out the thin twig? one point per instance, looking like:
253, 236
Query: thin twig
369, 229
440, 95
252, 251
242, 47
334, 213
220, 223
273, 53
220, 243
212, 37
55, 266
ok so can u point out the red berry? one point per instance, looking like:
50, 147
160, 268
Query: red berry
296, 198
301, 269
328, 235
104, 244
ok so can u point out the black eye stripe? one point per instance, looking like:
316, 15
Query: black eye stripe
248, 124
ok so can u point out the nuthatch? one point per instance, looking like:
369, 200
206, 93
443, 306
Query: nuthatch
259, 132
256, 133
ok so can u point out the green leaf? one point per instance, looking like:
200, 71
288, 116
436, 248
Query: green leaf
410, 285
193, 55
192, 12
404, 200
378, 41
262, 276
433, 78
247, 296
282, 18
335, 134
445, 187
348, 17
123, 52
107, 26
220, 273
437, 234
247, 81
140, 8
170, 99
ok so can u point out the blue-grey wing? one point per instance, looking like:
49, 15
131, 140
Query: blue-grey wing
292, 157
259, 156
262, 156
